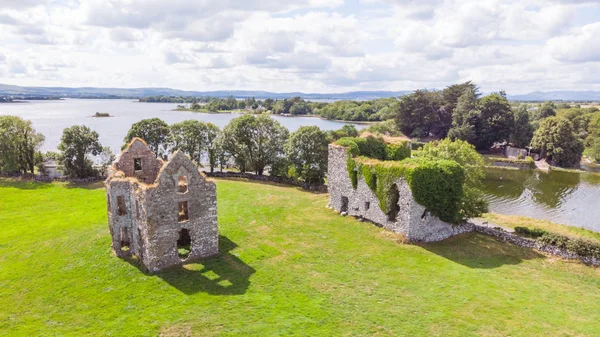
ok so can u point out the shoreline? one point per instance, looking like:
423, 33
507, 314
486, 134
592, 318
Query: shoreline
242, 112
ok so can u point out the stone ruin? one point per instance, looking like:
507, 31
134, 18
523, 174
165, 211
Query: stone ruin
164, 213
407, 217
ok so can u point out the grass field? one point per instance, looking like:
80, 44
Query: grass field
288, 267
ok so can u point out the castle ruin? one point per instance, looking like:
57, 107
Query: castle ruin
164, 213
406, 216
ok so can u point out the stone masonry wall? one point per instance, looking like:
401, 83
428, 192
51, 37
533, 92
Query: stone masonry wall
413, 220
150, 164
151, 219
162, 225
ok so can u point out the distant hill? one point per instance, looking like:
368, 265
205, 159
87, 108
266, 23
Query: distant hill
558, 96
89, 92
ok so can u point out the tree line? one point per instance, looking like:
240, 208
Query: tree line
559, 133
248, 143
371, 110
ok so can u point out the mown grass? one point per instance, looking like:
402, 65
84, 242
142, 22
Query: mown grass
513, 221
288, 266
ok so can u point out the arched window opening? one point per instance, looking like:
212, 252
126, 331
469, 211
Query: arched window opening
394, 198
184, 244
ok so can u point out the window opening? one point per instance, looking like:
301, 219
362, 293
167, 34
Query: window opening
182, 184
183, 214
344, 204
184, 244
124, 243
137, 164
394, 198
121, 208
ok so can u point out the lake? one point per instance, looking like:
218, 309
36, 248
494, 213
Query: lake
562, 197
566, 198
51, 117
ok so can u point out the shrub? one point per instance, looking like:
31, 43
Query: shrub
577, 246
534, 233
374, 147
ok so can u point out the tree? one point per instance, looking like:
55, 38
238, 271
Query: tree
300, 108
307, 150
213, 148
548, 109
418, 113
557, 141
105, 158
19, 142
76, 144
473, 203
348, 130
189, 137
254, 142
154, 132
465, 119
496, 120
522, 131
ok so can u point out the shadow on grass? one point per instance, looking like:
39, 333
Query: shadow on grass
480, 251
224, 274
23, 184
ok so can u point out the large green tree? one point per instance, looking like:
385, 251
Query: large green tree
483, 121
212, 146
522, 130
547, 109
418, 113
307, 150
557, 141
465, 119
473, 203
19, 143
254, 142
189, 137
154, 131
77, 143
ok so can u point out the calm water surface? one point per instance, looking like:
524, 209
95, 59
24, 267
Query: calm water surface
51, 117
562, 197
566, 198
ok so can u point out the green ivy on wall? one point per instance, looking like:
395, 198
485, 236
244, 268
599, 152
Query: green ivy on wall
435, 184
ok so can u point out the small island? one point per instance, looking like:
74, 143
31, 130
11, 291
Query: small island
102, 114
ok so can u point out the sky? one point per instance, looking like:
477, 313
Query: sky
319, 46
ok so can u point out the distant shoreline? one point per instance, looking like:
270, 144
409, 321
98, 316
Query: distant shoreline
241, 112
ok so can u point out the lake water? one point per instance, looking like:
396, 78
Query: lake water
562, 197
566, 198
51, 117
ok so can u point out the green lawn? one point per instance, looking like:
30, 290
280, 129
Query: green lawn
289, 266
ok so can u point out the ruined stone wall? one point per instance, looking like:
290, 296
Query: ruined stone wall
162, 226
123, 226
150, 165
412, 220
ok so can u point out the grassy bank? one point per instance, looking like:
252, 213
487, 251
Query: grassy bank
288, 266
513, 221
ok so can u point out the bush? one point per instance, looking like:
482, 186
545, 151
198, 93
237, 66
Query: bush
534, 233
577, 246
375, 148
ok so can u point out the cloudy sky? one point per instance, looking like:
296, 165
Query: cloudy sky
302, 45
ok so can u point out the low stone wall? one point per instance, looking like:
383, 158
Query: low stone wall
266, 178
46, 179
505, 236
518, 165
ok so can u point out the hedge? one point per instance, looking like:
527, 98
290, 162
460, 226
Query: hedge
577, 246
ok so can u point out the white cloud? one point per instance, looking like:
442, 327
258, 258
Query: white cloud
580, 45
301, 45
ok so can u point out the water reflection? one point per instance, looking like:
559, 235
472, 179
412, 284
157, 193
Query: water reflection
563, 197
